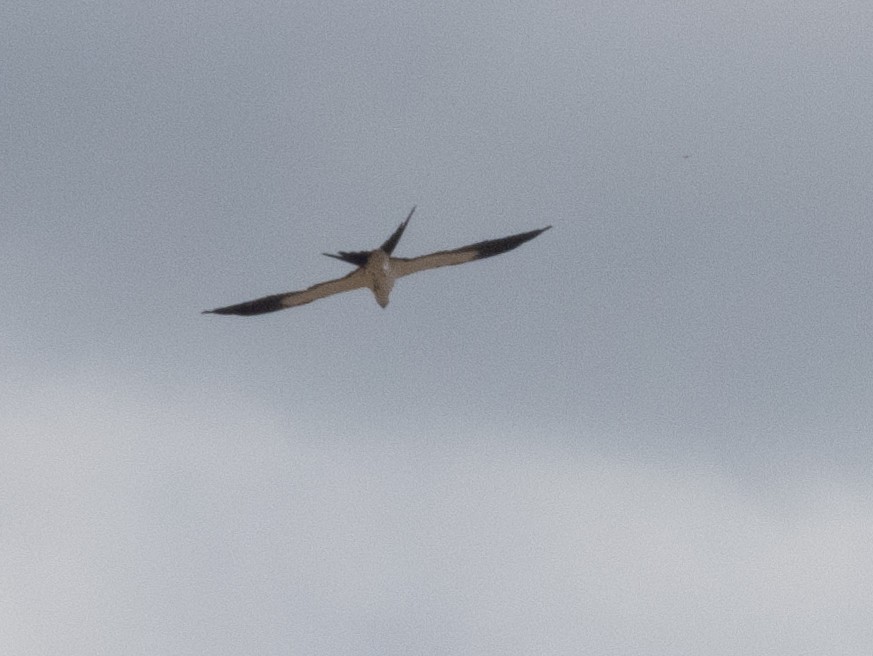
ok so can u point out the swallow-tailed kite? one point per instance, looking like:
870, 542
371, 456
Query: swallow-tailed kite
377, 271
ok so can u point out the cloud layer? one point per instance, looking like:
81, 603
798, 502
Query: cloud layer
205, 523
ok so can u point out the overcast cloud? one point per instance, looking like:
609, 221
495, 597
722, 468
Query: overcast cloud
646, 431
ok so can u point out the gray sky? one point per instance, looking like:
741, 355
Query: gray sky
645, 432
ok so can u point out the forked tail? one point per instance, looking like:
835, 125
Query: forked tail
391, 244
359, 258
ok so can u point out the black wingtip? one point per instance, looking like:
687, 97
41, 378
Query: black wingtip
497, 246
258, 306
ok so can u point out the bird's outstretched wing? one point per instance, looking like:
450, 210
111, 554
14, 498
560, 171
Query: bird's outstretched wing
355, 280
404, 266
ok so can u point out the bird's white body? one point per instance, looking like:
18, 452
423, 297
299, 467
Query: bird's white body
380, 276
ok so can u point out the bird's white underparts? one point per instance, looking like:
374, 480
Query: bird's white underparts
377, 270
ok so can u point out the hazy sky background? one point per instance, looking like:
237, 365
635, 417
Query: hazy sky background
648, 431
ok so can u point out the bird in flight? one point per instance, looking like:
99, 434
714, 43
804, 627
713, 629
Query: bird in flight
377, 270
